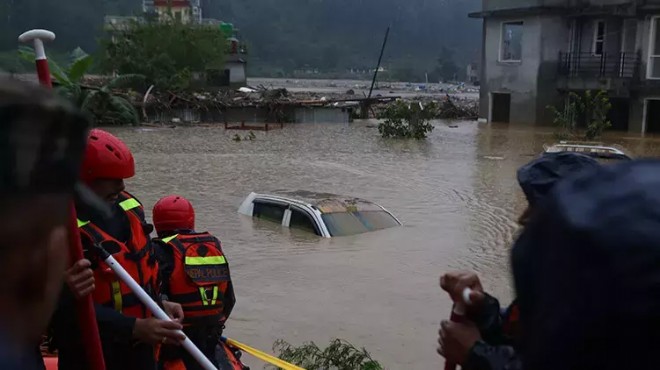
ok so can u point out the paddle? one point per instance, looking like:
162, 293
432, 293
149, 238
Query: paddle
84, 306
458, 315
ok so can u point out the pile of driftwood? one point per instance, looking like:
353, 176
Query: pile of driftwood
448, 107
468, 109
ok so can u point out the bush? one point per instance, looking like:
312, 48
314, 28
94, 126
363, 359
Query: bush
593, 107
339, 355
407, 121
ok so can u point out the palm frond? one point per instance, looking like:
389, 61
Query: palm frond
124, 110
79, 68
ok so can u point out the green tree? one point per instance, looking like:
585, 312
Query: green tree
446, 69
167, 54
407, 121
593, 107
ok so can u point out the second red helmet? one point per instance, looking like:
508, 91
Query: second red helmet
173, 212
106, 157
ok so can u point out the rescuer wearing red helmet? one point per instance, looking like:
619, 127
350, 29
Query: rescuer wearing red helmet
129, 333
195, 272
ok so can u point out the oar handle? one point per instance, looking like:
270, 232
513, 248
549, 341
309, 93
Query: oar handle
158, 312
458, 315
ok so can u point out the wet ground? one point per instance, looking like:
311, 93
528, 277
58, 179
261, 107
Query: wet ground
455, 193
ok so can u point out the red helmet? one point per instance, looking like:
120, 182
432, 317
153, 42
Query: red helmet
106, 157
173, 212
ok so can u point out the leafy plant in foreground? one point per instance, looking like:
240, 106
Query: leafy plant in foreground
339, 355
100, 104
594, 107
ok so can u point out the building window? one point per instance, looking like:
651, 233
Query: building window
511, 43
653, 71
599, 38
177, 16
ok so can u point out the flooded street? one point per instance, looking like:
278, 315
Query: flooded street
456, 194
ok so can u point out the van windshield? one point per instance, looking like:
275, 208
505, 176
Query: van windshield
352, 223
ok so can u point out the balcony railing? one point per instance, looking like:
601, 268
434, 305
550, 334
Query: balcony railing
621, 65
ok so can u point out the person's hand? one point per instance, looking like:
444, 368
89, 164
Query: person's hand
153, 331
173, 310
455, 283
456, 340
80, 278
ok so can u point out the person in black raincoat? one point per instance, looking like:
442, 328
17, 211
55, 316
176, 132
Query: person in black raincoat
41, 146
587, 273
488, 340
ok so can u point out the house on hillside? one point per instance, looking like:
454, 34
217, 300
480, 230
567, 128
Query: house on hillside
535, 52
184, 11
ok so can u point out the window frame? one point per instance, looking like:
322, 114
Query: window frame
595, 40
652, 38
500, 54
256, 202
292, 208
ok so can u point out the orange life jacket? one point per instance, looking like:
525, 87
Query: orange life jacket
200, 279
136, 256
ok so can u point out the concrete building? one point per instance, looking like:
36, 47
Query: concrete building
472, 73
536, 51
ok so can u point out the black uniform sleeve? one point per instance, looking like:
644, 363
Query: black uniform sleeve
489, 321
165, 257
483, 356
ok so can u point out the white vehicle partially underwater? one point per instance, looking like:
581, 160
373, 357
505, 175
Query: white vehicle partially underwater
326, 215
594, 149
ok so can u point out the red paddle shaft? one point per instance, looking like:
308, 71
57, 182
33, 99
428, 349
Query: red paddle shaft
84, 306
458, 315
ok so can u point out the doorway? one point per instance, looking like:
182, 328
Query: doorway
652, 116
500, 108
619, 113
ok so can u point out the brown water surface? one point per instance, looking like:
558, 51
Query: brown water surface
456, 194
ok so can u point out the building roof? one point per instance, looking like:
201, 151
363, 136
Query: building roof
173, 3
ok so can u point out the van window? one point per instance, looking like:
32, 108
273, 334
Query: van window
377, 220
352, 223
301, 220
269, 211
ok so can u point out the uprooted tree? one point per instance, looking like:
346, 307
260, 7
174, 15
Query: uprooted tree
590, 106
168, 54
339, 355
407, 120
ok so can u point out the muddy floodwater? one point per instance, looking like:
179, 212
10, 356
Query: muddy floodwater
455, 193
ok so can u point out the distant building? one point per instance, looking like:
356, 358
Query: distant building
148, 6
472, 75
179, 10
535, 52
